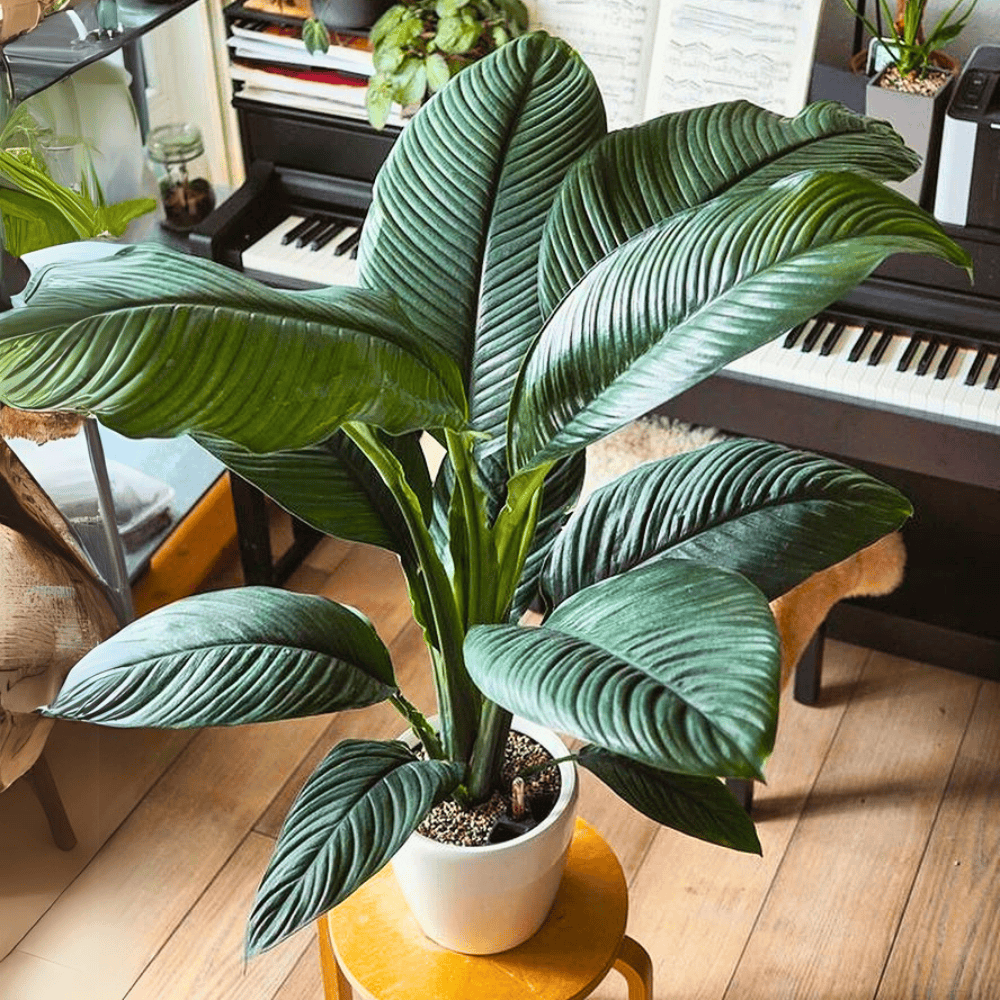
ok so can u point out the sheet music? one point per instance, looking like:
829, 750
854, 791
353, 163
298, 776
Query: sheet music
614, 38
719, 50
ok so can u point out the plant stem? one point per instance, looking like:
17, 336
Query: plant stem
457, 696
539, 768
487, 757
419, 724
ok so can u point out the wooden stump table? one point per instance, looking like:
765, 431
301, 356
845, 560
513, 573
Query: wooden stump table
372, 943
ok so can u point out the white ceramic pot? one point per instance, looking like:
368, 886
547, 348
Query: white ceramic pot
483, 900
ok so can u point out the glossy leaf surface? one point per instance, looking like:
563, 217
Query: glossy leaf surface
460, 203
332, 486
775, 515
158, 343
700, 807
636, 177
233, 656
677, 302
353, 814
674, 665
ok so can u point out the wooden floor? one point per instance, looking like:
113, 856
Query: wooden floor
880, 825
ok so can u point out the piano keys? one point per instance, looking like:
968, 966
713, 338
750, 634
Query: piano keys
312, 250
923, 373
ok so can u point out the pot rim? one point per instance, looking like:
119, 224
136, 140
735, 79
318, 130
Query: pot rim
552, 742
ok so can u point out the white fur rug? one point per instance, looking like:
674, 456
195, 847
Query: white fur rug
642, 441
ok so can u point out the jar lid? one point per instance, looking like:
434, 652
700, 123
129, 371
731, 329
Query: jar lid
168, 143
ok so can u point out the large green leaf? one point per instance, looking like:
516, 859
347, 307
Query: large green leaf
158, 343
234, 656
459, 206
636, 177
700, 807
333, 487
353, 814
774, 515
672, 664
677, 302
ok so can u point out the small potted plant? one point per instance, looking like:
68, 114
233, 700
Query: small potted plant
912, 91
522, 294
419, 45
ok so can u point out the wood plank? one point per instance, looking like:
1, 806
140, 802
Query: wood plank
947, 942
203, 960
25, 977
306, 979
101, 775
371, 580
693, 904
866, 824
114, 918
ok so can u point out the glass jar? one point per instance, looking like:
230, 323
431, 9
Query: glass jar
177, 155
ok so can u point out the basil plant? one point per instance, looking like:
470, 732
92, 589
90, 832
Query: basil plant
528, 284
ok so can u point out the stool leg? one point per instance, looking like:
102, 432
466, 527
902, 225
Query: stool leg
41, 780
335, 984
634, 963
809, 671
742, 789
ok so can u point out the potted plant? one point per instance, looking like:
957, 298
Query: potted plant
528, 284
419, 45
912, 91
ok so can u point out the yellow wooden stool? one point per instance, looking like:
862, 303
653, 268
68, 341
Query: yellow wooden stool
372, 943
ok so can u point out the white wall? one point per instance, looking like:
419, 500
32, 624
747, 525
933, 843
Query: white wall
836, 31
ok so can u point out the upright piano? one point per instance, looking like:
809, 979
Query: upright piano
900, 378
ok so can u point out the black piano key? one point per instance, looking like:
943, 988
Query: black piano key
927, 358
861, 343
349, 243
792, 337
994, 376
354, 253
809, 341
307, 234
975, 369
296, 231
909, 354
881, 346
947, 360
831, 339
325, 235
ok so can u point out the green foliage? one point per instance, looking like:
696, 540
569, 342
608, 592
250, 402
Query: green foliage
37, 211
910, 46
528, 284
421, 44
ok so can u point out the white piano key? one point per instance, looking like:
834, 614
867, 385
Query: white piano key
268, 257
843, 372
937, 391
958, 391
889, 382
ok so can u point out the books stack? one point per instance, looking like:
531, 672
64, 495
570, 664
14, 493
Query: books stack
272, 65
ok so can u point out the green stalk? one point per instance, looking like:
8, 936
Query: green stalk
419, 724
487, 756
457, 695
478, 569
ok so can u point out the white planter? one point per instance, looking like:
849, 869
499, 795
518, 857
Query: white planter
483, 900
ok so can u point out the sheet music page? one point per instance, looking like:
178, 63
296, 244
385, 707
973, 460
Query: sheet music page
614, 38
720, 50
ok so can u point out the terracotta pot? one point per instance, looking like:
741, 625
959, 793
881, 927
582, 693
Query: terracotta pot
919, 120
483, 900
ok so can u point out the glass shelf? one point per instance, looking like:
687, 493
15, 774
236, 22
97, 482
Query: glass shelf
62, 43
